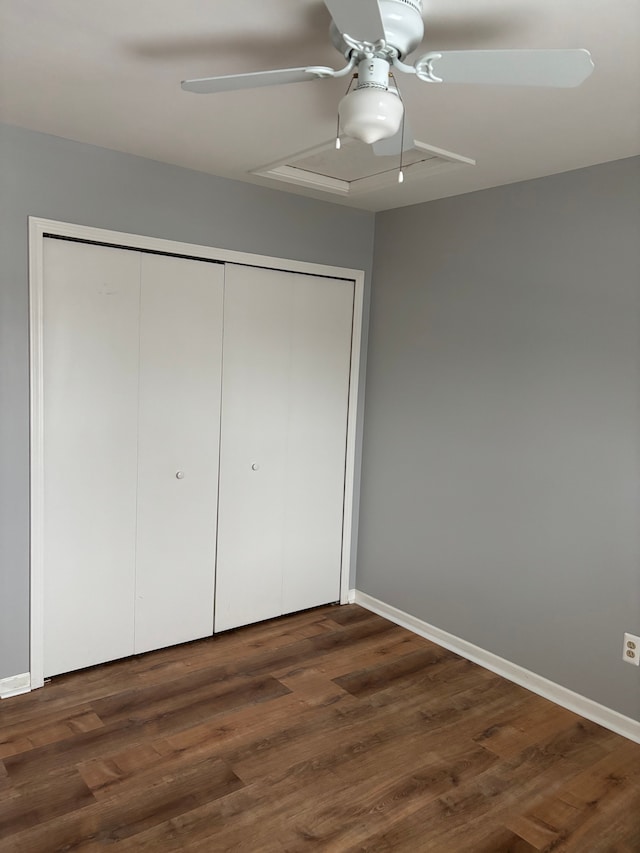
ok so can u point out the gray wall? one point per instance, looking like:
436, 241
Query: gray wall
57, 179
500, 496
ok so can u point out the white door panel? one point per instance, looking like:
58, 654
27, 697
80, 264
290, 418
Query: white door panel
90, 351
253, 448
180, 374
322, 311
284, 420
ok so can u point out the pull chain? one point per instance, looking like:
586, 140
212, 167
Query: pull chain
400, 172
338, 142
404, 112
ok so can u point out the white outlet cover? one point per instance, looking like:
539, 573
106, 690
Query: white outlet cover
631, 649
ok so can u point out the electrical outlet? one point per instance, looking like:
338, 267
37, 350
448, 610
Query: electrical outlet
631, 650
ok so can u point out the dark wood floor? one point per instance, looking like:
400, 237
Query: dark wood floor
330, 730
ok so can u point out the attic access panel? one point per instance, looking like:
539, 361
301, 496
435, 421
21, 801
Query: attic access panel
355, 169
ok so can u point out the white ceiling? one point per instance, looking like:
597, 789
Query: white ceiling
108, 72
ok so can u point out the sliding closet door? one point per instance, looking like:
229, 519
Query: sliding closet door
180, 374
284, 420
90, 348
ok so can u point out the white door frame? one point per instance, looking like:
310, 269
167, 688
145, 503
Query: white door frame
38, 229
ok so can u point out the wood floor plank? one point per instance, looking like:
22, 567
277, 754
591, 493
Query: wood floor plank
351, 637
331, 730
159, 756
373, 801
205, 686
348, 615
43, 802
510, 736
7, 789
313, 687
123, 817
17, 738
617, 770
381, 676
156, 721
612, 826
448, 678
503, 841
376, 649
548, 823
202, 825
615, 827
459, 819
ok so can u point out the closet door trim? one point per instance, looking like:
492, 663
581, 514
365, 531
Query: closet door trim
39, 229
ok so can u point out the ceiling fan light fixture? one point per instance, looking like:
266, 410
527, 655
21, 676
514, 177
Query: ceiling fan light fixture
370, 114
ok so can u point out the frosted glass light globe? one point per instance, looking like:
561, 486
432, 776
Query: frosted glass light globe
370, 114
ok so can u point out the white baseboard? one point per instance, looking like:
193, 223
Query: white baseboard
562, 696
13, 685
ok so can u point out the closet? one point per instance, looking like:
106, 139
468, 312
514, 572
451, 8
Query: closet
195, 423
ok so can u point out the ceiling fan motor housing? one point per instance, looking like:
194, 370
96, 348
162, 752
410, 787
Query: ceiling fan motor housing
373, 74
403, 27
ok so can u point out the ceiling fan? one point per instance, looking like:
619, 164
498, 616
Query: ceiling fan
376, 36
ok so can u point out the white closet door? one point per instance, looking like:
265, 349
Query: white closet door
180, 375
90, 341
320, 340
284, 420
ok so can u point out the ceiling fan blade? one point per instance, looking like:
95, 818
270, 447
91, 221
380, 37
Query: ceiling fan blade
233, 82
561, 68
390, 147
360, 19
